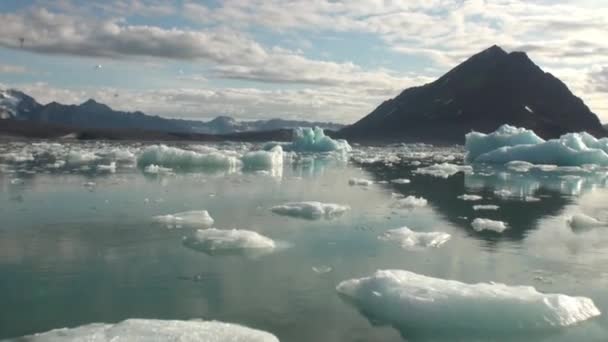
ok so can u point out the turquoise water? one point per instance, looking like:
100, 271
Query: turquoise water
73, 252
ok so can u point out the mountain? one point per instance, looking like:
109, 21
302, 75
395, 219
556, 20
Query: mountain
17, 105
489, 89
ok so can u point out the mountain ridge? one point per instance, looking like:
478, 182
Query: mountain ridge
491, 88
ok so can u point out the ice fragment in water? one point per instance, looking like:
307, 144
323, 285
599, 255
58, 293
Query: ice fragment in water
174, 157
400, 181
443, 170
480, 224
360, 181
314, 140
263, 160
195, 218
214, 240
582, 222
467, 197
408, 238
311, 210
411, 202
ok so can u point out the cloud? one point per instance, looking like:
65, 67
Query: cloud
599, 80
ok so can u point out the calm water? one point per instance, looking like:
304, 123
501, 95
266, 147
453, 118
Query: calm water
73, 252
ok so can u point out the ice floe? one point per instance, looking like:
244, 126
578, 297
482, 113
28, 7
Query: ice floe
480, 224
311, 210
443, 170
218, 241
485, 207
509, 144
193, 218
408, 238
360, 182
400, 181
153, 330
468, 197
582, 222
174, 157
408, 300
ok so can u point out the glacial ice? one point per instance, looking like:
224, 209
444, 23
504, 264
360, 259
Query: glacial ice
443, 170
582, 222
193, 218
307, 139
174, 157
485, 207
468, 197
311, 210
214, 240
480, 224
157, 170
400, 181
408, 238
360, 182
411, 202
263, 160
111, 168
153, 330
80, 157
509, 144
412, 301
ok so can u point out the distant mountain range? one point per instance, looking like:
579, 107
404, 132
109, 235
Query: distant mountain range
488, 90
17, 105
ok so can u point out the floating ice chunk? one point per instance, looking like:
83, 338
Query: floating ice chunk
519, 166
195, 218
322, 269
157, 170
17, 181
360, 182
178, 158
509, 144
480, 224
152, 330
79, 158
468, 197
531, 199
408, 238
411, 202
408, 300
107, 168
315, 140
582, 222
443, 170
400, 181
503, 193
219, 241
311, 210
485, 207
528, 109
264, 160
18, 157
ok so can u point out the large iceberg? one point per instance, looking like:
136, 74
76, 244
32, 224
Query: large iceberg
314, 140
509, 143
152, 330
174, 157
411, 301
310, 210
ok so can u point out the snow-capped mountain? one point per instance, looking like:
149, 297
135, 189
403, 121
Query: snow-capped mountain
91, 114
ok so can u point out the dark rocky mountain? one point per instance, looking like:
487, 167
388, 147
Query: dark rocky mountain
489, 89
17, 105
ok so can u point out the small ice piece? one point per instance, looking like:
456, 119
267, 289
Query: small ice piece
17, 181
531, 199
322, 269
140, 330
107, 168
411, 202
194, 218
400, 181
263, 160
80, 158
310, 210
360, 182
408, 300
485, 207
582, 222
157, 170
480, 224
528, 109
468, 197
214, 240
89, 184
408, 238
503, 193
443, 170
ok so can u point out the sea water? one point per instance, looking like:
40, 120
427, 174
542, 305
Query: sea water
81, 242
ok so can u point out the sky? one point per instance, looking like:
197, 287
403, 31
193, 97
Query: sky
326, 60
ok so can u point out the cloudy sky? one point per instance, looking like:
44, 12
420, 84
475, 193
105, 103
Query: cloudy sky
329, 60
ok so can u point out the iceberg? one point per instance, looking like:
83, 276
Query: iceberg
485, 207
443, 170
263, 160
310, 210
174, 157
306, 139
217, 241
508, 144
467, 197
581, 222
193, 218
411, 301
153, 330
411, 202
360, 182
400, 181
408, 238
480, 224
